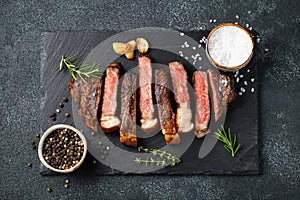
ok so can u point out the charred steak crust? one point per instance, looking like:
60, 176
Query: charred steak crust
87, 99
128, 110
165, 112
202, 109
223, 92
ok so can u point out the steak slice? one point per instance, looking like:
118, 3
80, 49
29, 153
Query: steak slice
109, 121
128, 110
165, 112
148, 121
87, 99
202, 109
182, 98
223, 92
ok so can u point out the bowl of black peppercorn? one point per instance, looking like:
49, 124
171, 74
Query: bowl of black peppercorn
62, 148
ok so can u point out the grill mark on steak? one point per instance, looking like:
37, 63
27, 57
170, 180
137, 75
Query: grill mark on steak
182, 98
87, 99
165, 112
148, 121
109, 121
202, 109
128, 110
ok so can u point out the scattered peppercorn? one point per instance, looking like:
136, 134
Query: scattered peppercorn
49, 189
33, 147
61, 105
37, 135
94, 162
65, 99
53, 118
67, 181
29, 164
53, 115
57, 110
67, 115
66, 186
32, 142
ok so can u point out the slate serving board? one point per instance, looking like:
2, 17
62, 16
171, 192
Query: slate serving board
242, 113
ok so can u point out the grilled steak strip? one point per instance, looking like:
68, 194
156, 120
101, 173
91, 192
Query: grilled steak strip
182, 98
202, 110
128, 110
109, 121
165, 112
87, 99
148, 121
222, 92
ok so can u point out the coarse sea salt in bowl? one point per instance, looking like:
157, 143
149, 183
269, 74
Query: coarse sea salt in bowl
229, 46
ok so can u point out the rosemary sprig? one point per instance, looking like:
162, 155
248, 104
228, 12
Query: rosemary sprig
229, 142
163, 158
84, 71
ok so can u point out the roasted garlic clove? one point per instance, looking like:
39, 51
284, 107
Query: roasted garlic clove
130, 54
142, 45
121, 48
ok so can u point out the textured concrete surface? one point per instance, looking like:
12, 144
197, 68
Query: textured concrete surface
277, 23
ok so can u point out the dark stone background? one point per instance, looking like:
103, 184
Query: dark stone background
277, 23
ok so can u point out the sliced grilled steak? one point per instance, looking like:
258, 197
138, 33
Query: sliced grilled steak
128, 110
87, 99
109, 121
148, 121
165, 112
182, 98
202, 110
222, 92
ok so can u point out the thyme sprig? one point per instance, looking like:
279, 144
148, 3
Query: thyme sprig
162, 158
84, 71
228, 140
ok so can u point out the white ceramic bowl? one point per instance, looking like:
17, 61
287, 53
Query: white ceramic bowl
46, 134
246, 35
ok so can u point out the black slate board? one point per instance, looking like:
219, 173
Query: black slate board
242, 114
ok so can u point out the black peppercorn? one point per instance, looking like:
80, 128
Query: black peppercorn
65, 99
32, 142
61, 105
49, 189
37, 135
29, 164
67, 115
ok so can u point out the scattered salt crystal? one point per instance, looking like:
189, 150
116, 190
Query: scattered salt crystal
247, 25
249, 12
210, 20
181, 34
180, 52
240, 93
245, 83
237, 79
199, 46
200, 58
181, 55
200, 67
248, 70
236, 23
182, 46
237, 16
194, 48
258, 40
250, 28
252, 89
197, 54
186, 57
241, 76
266, 50
214, 20
243, 89
252, 80
201, 27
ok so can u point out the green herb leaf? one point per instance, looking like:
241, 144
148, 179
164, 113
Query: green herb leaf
226, 138
84, 71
